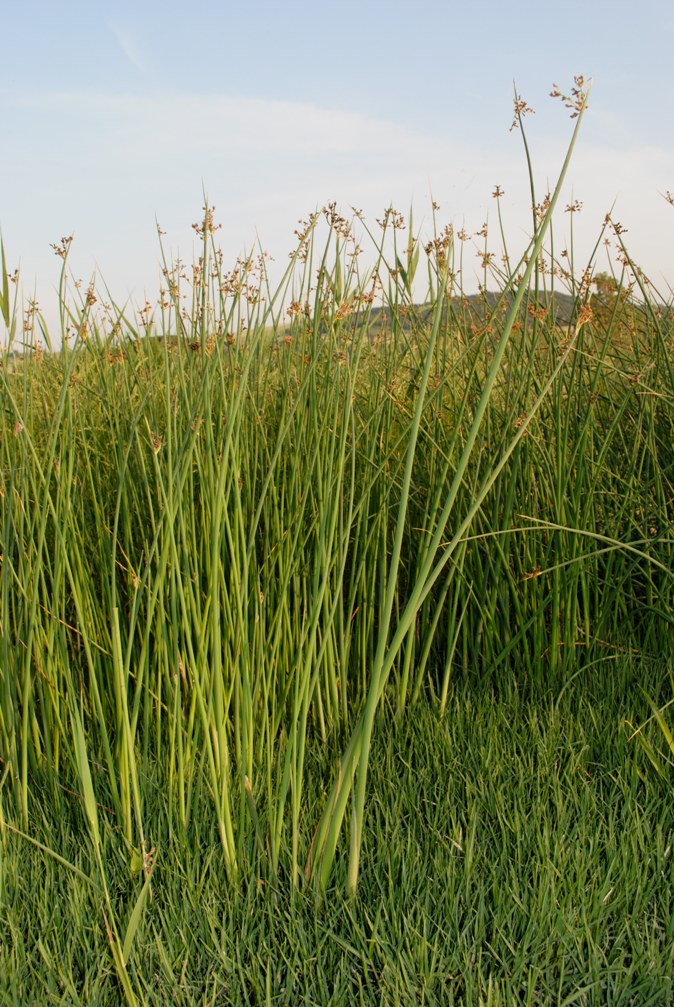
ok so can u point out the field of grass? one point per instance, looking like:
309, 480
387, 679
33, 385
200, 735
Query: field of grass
336, 632
515, 853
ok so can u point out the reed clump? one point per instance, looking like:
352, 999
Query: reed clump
235, 526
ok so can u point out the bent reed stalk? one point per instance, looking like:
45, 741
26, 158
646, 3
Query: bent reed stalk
234, 526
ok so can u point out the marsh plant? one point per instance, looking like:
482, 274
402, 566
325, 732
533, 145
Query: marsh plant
238, 525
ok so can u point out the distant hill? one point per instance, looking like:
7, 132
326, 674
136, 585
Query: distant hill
476, 306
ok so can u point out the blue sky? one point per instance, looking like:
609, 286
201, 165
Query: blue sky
114, 115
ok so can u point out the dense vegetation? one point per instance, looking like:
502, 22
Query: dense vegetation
240, 527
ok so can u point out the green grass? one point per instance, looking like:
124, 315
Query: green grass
321, 636
518, 851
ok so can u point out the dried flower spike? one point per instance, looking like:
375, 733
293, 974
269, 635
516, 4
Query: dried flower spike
520, 109
577, 100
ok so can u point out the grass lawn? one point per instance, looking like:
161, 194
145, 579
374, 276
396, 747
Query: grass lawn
517, 852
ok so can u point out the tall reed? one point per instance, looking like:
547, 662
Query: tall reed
236, 525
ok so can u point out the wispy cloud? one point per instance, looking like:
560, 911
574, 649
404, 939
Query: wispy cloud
270, 148
266, 163
235, 122
201, 135
128, 45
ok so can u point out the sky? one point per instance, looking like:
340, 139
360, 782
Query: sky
116, 117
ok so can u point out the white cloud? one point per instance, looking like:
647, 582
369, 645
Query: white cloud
236, 123
128, 45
